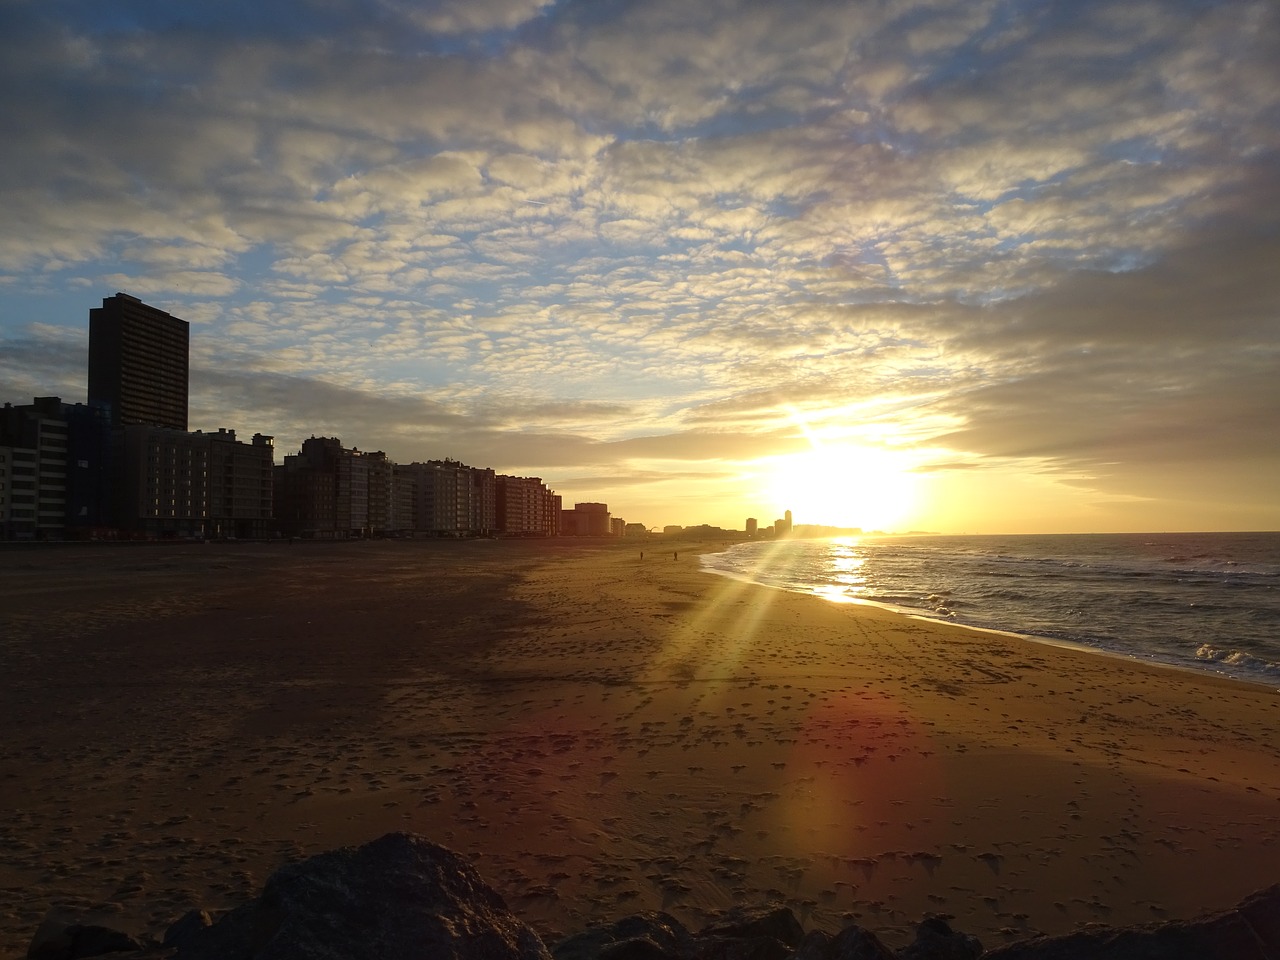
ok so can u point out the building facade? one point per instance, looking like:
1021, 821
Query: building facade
526, 508
451, 499
326, 491
175, 484
33, 475
138, 363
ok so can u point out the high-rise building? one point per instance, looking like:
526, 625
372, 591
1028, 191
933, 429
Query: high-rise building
138, 363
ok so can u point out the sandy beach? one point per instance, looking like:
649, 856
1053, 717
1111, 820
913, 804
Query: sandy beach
602, 734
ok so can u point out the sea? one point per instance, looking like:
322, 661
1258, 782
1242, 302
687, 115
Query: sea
1207, 602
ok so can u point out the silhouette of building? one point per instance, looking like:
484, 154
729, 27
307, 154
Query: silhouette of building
138, 363
753, 526
587, 520
782, 527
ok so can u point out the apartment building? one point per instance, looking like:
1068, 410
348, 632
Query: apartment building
526, 508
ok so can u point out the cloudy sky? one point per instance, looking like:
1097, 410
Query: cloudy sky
983, 266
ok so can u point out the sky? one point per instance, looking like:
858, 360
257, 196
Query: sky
968, 267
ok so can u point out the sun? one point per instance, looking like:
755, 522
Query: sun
843, 485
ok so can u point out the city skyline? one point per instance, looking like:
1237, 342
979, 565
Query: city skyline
991, 267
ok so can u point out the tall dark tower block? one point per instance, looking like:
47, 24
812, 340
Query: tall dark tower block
138, 363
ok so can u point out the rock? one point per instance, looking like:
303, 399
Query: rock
935, 940
643, 936
769, 932
57, 941
1251, 931
814, 945
750, 923
855, 943
190, 926
397, 898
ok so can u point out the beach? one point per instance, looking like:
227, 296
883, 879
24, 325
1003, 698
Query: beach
602, 733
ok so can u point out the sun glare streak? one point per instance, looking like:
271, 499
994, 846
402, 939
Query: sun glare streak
687, 644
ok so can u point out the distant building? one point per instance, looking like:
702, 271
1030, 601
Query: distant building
138, 363
635, 530
671, 528
752, 526
588, 520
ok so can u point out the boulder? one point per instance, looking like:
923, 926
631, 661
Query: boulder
642, 936
187, 928
769, 932
855, 943
935, 940
397, 898
58, 941
1250, 931
750, 923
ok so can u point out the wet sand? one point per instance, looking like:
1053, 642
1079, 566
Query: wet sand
602, 734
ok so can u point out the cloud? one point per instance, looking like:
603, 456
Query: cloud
643, 232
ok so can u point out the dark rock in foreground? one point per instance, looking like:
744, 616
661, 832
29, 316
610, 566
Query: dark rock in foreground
403, 898
1250, 931
397, 898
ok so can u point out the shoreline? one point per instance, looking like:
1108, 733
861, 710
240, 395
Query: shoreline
601, 736
1198, 668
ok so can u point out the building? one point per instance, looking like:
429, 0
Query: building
782, 527
404, 498
171, 483
381, 493
526, 508
33, 470
588, 520
162, 482
91, 472
241, 486
326, 491
305, 492
451, 499
138, 363
753, 526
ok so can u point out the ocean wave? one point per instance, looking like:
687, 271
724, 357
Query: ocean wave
1238, 659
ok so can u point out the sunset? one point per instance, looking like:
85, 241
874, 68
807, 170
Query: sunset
1020, 255
639, 479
